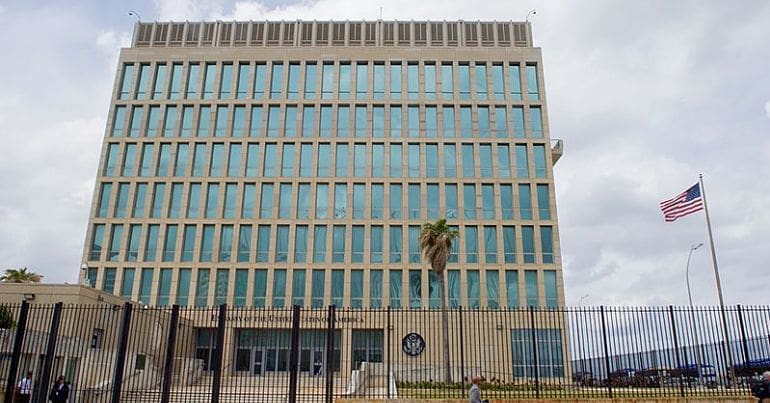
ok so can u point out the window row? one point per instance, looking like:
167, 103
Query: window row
330, 80
321, 287
377, 121
326, 160
304, 201
280, 243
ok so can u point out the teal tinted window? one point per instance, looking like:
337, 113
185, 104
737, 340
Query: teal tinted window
344, 81
490, 244
414, 244
412, 81
396, 242
244, 243
157, 200
207, 244
464, 86
483, 121
414, 200
169, 244
469, 200
528, 243
415, 289
193, 81
360, 121
378, 162
549, 282
175, 204
338, 244
303, 201
474, 286
378, 85
317, 288
169, 124
270, 161
536, 122
260, 81
243, 81
493, 289
311, 71
430, 81
485, 159
522, 162
193, 200
129, 161
506, 202
375, 244
359, 161
112, 159
451, 201
362, 80
432, 203
144, 80
287, 160
220, 128
273, 121
145, 286
241, 284
239, 121
396, 284
450, 160
414, 160
503, 161
126, 81
327, 81
481, 81
183, 287
453, 288
209, 74
319, 244
188, 243
212, 201
530, 286
357, 244
543, 205
108, 281
322, 201
226, 81
119, 121
306, 160
234, 160
176, 81
488, 201
263, 243
300, 244
378, 121
115, 240
135, 129
290, 126
187, 121
525, 202
298, 287
151, 244
539, 153
164, 160
199, 159
395, 161
396, 203
340, 200
308, 121
325, 129
260, 288
97, 242
104, 199
447, 87
515, 82
343, 121
338, 287
341, 161
395, 121
375, 288
216, 168
249, 200
202, 288
533, 91
518, 122
359, 200
497, 81
431, 161
395, 81
255, 123
140, 195
356, 289
466, 122
471, 244
431, 118
282, 243
226, 243
284, 201
468, 161
512, 288
132, 249
251, 160
127, 286
413, 119
276, 81
546, 243
292, 91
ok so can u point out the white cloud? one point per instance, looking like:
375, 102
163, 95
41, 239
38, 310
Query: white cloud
180, 10
767, 108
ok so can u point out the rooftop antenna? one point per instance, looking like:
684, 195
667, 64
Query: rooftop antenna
529, 14
135, 14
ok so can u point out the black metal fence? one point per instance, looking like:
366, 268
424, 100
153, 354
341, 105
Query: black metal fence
224, 354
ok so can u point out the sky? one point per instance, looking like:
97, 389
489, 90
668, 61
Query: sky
646, 95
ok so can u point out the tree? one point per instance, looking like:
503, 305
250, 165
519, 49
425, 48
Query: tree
20, 276
6, 319
436, 246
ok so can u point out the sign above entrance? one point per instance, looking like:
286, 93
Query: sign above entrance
413, 344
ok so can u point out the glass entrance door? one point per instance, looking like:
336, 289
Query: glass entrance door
259, 357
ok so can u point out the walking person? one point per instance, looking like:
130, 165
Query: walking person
24, 388
474, 395
60, 391
761, 390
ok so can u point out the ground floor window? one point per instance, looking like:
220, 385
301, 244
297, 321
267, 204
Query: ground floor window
367, 346
206, 341
550, 356
261, 351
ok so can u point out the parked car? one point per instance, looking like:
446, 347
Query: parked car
620, 378
693, 375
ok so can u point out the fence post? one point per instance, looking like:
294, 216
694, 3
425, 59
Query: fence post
218, 354
390, 341
676, 349
168, 368
50, 351
294, 354
535, 363
606, 352
462, 346
120, 362
330, 354
18, 342
744, 343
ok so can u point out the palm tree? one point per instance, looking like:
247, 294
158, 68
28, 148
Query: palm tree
436, 246
20, 276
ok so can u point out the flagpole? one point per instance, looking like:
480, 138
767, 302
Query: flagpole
719, 283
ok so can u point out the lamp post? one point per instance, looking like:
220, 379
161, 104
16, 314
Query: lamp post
698, 368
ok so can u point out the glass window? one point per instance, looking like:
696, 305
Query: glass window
127, 287
551, 296
357, 241
532, 86
362, 80
287, 160
108, 281
481, 81
530, 285
465, 81
466, 122
260, 81
469, 200
136, 121
151, 243
279, 288
359, 200
431, 157
414, 244
485, 158
104, 199
243, 81
359, 161
132, 250
396, 239
226, 81
378, 121
212, 200
540, 170
395, 161
413, 118
338, 244
515, 82
474, 284
260, 288
273, 121
375, 244
395, 121
282, 243
176, 81
183, 287
528, 243
396, 203
241, 282
251, 159
221, 286
249, 200
360, 120
509, 244
447, 87
451, 201
290, 125
395, 81
375, 288
430, 81
152, 121
234, 160
169, 244
217, 160
311, 71
378, 85
525, 202
327, 81
356, 289
298, 287
490, 244
343, 121
157, 200
378, 163
207, 244
276, 81
317, 288
468, 161
187, 121
126, 81
512, 288
322, 201
483, 120
193, 81
300, 244
266, 201
285, 200
503, 161
255, 123
543, 205
412, 81
522, 162
244, 243
414, 200
293, 88
164, 159
396, 284
303, 201
270, 161
414, 160
344, 83
493, 289
546, 243
226, 243
208, 80
169, 124
319, 244
340, 200
341, 161
338, 287
488, 201
415, 289
497, 81
506, 202
377, 202
199, 159
121, 200
326, 121
450, 161
471, 244
263, 243
175, 205
140, 196
308, 121
239, 122
324, 158
433, 201
536, 122
129, 161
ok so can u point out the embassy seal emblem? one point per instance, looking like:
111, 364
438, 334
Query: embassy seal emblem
413, 344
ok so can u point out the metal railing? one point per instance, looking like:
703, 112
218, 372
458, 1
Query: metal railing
227, 354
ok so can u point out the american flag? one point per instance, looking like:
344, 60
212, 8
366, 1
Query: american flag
683, 204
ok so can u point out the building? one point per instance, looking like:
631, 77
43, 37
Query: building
271, 164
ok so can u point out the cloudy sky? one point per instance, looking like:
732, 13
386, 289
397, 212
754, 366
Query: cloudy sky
646, 95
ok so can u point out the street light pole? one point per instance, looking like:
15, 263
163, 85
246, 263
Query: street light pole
694, 329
